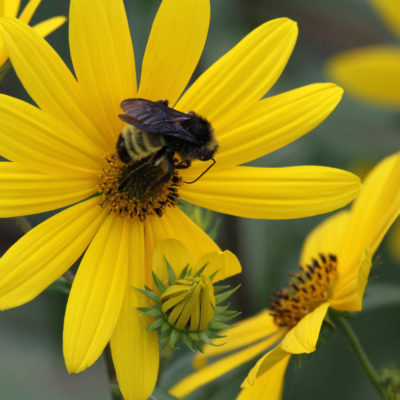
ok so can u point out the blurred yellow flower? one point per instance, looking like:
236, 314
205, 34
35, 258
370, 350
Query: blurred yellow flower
10, 8
372, 73
335, 264
63, 153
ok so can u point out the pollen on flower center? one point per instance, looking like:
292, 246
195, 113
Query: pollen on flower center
136, 189
306, 290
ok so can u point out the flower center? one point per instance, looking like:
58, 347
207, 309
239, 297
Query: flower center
306, 290
137, 189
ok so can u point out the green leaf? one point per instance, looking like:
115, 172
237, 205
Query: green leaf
149, 293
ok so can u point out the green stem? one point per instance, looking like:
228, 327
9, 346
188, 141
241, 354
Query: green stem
359, 352
112, 378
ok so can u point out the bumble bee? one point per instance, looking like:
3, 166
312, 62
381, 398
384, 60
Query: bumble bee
158, 132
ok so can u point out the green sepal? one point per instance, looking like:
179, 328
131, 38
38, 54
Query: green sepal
212, 276
217, 326
184, 272
156, 325
152, 312
171, 273
174, 337
200, 271
147, 292
160, 285
219, 298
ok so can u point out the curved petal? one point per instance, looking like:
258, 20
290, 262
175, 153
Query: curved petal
242, 76
35, 139
349, 289
269, 385
273, 193
174, 47
372, 214
244, 333
96, 295
390, 13
134, 349
369, 73
326, 238
304, 336
224, 263
102, 55
48, 26
47, 80
219, 368
25, 191
264, 365
46, 252
175, 224
274, 122
175, 252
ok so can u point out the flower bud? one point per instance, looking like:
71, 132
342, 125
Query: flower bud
189, 304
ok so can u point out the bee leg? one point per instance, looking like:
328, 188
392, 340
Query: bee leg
167, 159
183, 164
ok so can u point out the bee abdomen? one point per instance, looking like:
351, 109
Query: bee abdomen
134, 144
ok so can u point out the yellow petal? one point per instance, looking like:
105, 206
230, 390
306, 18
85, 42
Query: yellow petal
11, 8
326, 238
175, 44
372, 214
275, 122
96, 295
32, 137
243, 75
245, 332
48, 26
25, 191
47, 79
134, 349
219, 368
349, 289
175, 252
224, 263
29, 10
304, 336
273, 193
175, 224
390, 12
369, 73
269, 385
102, 55
264, 365
46, 252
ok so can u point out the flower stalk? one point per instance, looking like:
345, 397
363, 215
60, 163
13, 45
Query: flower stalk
359, 352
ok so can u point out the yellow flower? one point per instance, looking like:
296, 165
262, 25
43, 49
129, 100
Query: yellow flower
372, 73
63, 153
335, 264
10, 8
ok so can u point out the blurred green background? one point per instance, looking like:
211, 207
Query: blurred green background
354, 137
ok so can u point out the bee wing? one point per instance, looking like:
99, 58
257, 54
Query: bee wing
156, 117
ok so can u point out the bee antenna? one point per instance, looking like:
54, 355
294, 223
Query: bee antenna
213, 162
